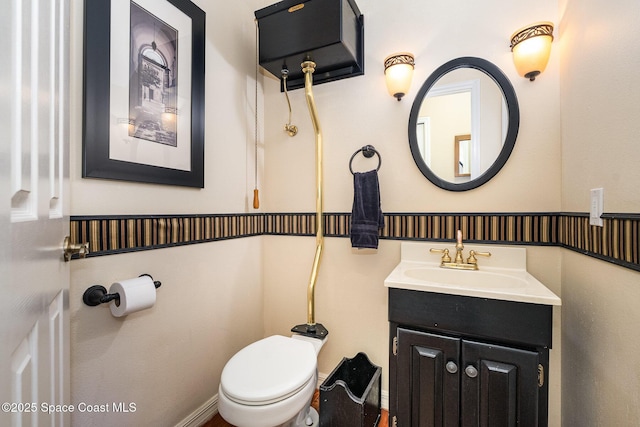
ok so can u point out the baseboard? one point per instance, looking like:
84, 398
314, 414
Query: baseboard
204, 413
384, 394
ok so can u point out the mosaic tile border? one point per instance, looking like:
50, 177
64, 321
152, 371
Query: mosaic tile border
618, 241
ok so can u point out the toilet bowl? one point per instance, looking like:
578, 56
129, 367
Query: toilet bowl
270, 383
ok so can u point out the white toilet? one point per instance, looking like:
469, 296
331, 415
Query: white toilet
271, 382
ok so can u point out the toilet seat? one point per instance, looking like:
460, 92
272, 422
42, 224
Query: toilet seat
269, 370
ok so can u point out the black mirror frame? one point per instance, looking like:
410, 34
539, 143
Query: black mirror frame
512, 131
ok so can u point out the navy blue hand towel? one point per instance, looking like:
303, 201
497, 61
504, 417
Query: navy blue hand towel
366, 215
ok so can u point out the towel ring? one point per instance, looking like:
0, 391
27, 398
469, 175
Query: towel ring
368, 151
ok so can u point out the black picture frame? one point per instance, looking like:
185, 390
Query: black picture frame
97, 121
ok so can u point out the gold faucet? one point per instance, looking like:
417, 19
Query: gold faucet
459, 263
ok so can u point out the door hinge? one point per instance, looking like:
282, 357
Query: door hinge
540, 375
395, 346
394, 421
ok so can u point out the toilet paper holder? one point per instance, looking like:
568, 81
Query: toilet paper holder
97, 294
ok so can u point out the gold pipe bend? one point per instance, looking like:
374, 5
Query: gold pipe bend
308, 68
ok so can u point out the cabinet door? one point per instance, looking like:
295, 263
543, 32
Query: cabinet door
499, 386
428, 379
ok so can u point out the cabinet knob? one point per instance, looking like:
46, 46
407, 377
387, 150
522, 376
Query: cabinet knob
451, 367
471, 371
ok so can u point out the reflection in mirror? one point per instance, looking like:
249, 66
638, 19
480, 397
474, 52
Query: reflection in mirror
466, 96
462, 157
454, 106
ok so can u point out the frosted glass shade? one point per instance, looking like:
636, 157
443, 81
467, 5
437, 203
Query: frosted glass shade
531, 47
398, 71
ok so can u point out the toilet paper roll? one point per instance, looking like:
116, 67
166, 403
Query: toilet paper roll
135, 295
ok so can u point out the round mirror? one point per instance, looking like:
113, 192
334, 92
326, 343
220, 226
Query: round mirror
463, 124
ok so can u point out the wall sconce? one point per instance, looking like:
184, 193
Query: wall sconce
531, 47
398, 70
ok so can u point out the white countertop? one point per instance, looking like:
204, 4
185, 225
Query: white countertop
502, 276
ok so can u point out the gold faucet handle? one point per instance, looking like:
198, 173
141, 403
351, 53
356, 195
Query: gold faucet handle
472, 256
444, 252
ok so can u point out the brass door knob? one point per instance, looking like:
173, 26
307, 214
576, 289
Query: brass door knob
82, 249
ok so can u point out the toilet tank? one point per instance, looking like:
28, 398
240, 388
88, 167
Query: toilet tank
327, 32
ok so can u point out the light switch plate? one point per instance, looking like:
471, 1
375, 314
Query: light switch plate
597, 207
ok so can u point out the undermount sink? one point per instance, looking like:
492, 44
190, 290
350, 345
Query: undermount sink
484, 279
503, 276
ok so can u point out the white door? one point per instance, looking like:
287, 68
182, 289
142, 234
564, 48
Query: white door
34, 199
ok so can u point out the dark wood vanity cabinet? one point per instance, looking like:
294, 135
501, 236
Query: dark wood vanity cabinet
466, 361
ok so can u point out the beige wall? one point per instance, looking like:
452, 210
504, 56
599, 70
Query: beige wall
351, 300
229, 124
358, 111
600, 376
168, 359
256, 286
600, 111
600, 107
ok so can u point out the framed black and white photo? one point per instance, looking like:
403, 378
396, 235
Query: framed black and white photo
144, 91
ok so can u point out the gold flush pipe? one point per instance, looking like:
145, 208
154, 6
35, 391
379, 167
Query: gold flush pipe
308, 67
